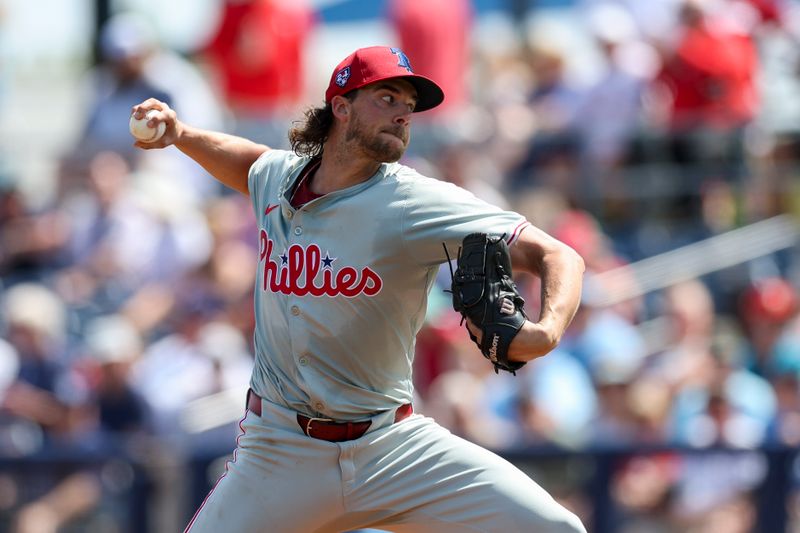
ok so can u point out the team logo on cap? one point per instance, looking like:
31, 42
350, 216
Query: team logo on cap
402, 59
342, 76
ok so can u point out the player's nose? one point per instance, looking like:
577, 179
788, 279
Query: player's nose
403, 119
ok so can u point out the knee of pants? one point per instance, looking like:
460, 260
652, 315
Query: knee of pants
570, 524
556, 520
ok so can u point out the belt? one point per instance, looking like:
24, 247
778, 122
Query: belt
327, 429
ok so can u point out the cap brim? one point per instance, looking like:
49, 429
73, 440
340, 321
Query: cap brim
429, 95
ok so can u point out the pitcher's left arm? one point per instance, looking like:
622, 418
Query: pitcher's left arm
560, 269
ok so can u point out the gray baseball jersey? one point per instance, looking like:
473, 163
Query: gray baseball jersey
342, 282
341, 292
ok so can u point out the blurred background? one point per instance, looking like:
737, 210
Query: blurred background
659, 138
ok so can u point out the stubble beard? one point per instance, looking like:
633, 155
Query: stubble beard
374, 146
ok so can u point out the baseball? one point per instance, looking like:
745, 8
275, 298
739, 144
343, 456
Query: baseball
145, 133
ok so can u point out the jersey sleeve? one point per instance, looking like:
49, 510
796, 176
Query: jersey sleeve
263, 176
438, 212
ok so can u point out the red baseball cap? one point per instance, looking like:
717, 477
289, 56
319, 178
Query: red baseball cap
375, 63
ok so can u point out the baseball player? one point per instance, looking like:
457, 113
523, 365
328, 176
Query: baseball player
350, 242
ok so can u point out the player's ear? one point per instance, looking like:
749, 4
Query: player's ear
340, 107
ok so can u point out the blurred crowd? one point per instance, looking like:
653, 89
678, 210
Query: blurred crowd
647, 126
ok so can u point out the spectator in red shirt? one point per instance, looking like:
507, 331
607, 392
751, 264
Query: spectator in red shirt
709, 80
436, 34
257, 53
710, 75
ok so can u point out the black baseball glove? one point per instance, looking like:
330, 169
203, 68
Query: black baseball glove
484, 292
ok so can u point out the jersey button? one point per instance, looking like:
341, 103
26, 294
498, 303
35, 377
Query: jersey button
295, 310
303, 361
289, 215
298, 230
319, 406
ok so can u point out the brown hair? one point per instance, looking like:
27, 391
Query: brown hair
308, 137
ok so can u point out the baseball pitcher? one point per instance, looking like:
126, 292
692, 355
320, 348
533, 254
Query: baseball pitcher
350, 241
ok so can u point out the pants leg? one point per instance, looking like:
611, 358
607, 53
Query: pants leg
279, 481
413, 476
416, 476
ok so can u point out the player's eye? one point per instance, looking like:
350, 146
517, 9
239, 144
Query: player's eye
388, 98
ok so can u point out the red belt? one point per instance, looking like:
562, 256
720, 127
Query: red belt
327, 429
